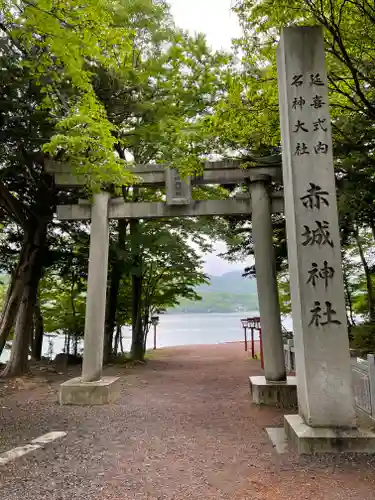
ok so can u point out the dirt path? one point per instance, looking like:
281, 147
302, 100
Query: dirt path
184, 429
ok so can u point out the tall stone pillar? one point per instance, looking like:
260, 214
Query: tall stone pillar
269, 307
92, 388
326, 417
96, 289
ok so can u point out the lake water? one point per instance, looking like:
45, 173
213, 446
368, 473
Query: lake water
177, 329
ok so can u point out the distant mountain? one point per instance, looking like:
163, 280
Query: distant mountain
232, 282
230, 292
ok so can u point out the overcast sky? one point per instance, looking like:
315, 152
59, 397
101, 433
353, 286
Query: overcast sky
212, 17
215, 19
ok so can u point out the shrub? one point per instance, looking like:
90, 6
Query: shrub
363, 338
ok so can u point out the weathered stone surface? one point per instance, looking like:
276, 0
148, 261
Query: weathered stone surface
310, 440
281, 395
273, 349
365, 421
178, 189
361, 389
96, 289
226, 171
371, 371
154, 210
77, 392
278, 438
318, 304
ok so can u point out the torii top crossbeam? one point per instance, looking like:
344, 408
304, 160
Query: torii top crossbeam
179, 202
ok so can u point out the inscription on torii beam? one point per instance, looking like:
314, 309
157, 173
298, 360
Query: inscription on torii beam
178, 190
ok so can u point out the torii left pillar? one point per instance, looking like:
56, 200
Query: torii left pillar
92, 388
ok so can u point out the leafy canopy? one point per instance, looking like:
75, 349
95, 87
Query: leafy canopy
61, 44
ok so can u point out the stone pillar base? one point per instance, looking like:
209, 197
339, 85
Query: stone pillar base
281, 395
309, 440
101, 392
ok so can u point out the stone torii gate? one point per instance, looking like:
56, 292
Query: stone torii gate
326, 419
259, 203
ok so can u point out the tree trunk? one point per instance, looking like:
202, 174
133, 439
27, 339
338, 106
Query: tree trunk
14, 295
145, 335
111, 313
18, 362
372, 225
137, 348
38, 333
117, 340
68, 337
34, 240
114, 289
121, 345
34, 228
75, 346
370, 290
349, 302
137, 351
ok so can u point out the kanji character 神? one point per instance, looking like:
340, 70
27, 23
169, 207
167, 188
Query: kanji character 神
315, 274
298, 102
326, 273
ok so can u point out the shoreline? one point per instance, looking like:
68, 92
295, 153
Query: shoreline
205, 346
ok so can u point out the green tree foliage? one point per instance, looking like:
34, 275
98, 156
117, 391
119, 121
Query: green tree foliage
26, 195
163, 267
60, 44
63, 308
349, 34
247, 122
170, 270
158, 109
284, 293
100, 85
219, 302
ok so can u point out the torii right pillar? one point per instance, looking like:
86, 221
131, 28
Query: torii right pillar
327, 419
273, 388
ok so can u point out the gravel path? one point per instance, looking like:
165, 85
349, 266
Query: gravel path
183, 430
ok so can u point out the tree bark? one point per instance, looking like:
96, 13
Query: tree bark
112, 300
137, 348
34, 227
18, 362
372, 225
38, 333
34, 241
146, 330
121, 345
137, 351
349, 301
14, 295
366, 269
117, 340
67, 343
